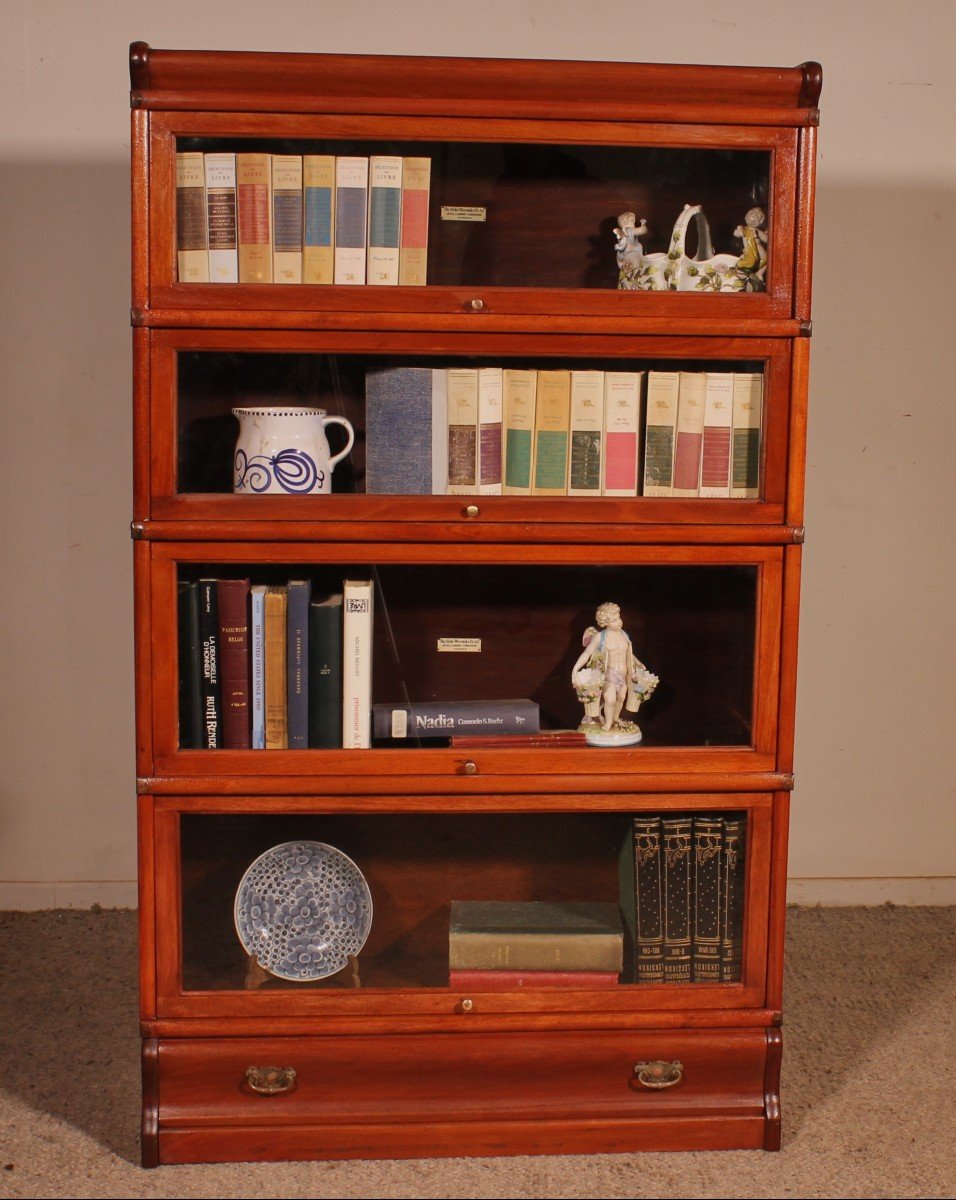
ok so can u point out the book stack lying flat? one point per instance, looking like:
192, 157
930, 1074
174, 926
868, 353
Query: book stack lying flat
497, 945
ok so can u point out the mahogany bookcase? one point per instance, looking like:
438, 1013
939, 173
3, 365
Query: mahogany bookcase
404, 1065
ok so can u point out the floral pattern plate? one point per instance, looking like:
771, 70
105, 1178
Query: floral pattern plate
302, 909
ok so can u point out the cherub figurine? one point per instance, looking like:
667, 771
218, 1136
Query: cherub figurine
630, 252
752, 264
608, 677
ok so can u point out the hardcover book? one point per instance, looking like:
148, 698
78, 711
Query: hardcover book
286, 218
357, 618
257, 683
209, 637
506, 981
318, 205
690, 433
403, 413
436, 718
663, 389
715, 449
221, 218
552, 424
232, 596
351, 219
489, 430
519, 388
413, 252
192, 244
277, 712
462, 431
191, 727
732, 908
642, 898
384, 218
587, 433
622, 429
745, 462
325, 673
705, 948
676, 837
297, 662
534, 936
254, 219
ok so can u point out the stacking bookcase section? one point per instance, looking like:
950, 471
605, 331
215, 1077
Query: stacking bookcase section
469, 413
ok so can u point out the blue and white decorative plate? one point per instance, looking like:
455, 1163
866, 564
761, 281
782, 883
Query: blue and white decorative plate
301, 909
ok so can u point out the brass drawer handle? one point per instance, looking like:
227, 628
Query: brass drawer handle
658, 1074
271, 1081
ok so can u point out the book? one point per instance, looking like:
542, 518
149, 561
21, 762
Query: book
690, 433
642, 898
553, 738
384, 218
489, 430
254, 217
586, 433
297, 662
257, 681
406, 431
351, 219
191, 728
622, 430
437, 718
318, 213
705, 944
462, 431
357, 615
325, 672
715, 447
676, 833
192, 244
732, 907
220, 170
413, 249
276, 697
232, 598
209, 639
534, 936
552, 421
518, 404
286, 218
660, 432
745, 445
505, 981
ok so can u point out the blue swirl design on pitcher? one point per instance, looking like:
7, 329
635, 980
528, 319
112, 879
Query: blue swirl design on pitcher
293, 470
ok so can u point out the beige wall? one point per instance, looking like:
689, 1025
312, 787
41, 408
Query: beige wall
872, 815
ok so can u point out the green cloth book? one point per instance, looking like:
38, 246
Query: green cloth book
535, 936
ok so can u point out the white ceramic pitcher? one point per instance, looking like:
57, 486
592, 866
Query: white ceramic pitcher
284, 451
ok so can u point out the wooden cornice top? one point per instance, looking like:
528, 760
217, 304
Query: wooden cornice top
239, 81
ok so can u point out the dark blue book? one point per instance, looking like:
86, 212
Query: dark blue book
325, 673
435, 719
191, 730
297, 658
406, 432
211, 709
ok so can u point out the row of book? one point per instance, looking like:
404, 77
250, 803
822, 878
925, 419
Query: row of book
272, 667
523, 432
289, 218
682, 897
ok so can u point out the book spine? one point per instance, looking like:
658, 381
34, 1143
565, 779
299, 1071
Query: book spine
209, 637
439, 431
493, 950
622, 429
399, 431
297, 662
678, 880
438, 719
745, 445
276, 716
192, 243
715, 449
506, 981
544, 737
221, 218
552, 426
287, 218
587, 433
489, 430
257, 687
519, 388
325, 673
663, 389
232, 597
351, 219
357, 620
732, 908
318, 205
254, 217
384, 219
191, 729
690, 433
413, 251
648, 900
705, 949
462, 431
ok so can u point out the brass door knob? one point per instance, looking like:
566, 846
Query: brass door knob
471, 768
658, 1074
271, 1081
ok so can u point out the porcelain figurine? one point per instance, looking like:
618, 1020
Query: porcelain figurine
283, 451
752, 264
630, 252
609, 678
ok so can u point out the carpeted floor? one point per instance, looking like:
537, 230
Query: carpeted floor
867, 1080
